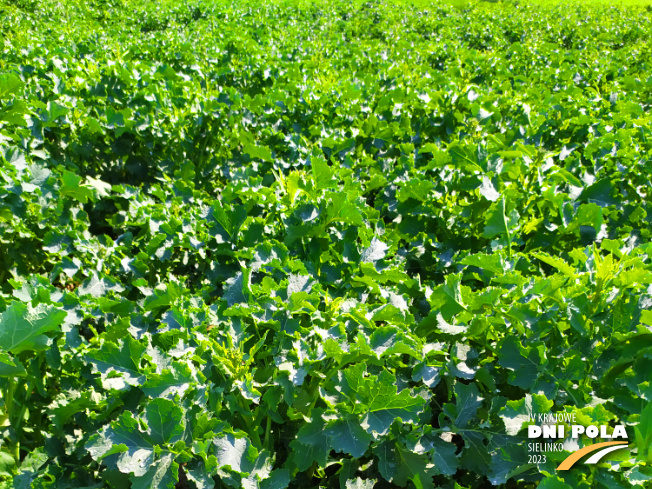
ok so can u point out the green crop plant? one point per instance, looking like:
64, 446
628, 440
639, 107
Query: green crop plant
345, 244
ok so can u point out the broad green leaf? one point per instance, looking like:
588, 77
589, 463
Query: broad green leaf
415, 189
430, 376
278, 479
299, 283
390, 340
444, 458
639, 476
10, 83
56, 110
321, 172
15, 114
305, 455
261, 152
558, 263
170, 382
163, 296
123, 437
71, 186
644, 434
527, 363
382, 404
516, 414
7, 465
449, 298
467, 403
161, 474
119, 365
488, 191
312, 443
10, 367
359, 483
375, 251
500, 222
553, 482
475, 456
235, 453
465, 157
385, 452
599, 193
165, 421
22, 326
493, 263
347, 436
102, 189
399, 464
342, 210
98, 287
590, 215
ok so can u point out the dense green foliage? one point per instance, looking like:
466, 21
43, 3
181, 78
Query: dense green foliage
321, 245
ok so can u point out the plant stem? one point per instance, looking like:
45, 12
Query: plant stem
268, 429
9, 397
248, 418
9, 407
21, 414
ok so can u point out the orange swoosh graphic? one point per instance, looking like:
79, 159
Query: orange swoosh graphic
574, 457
